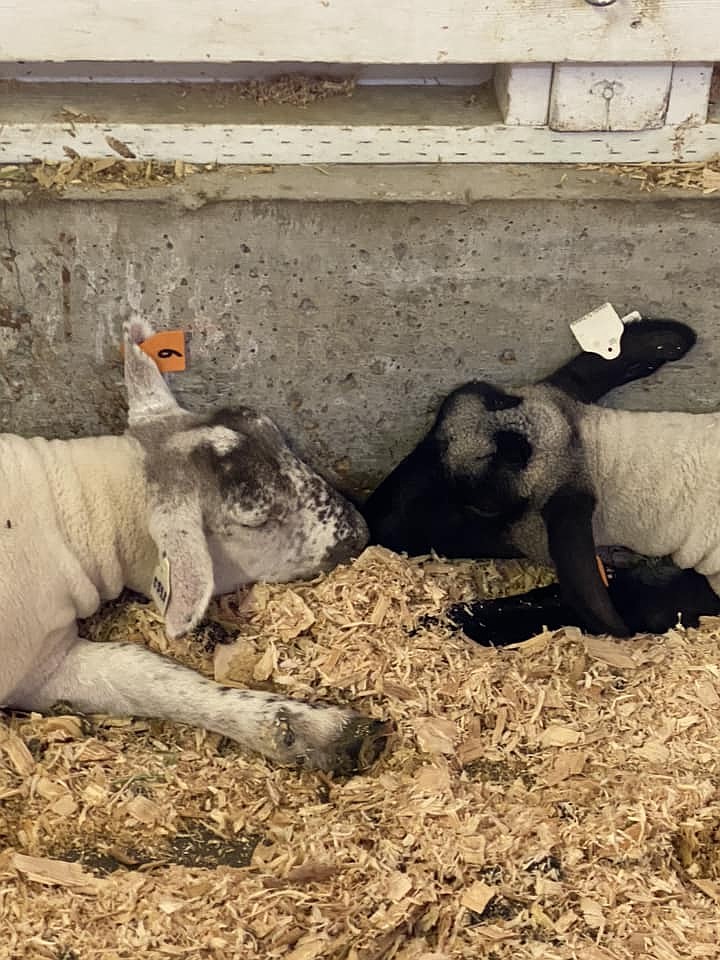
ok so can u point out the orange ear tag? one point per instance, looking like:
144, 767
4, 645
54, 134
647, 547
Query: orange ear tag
601, 569
167, 349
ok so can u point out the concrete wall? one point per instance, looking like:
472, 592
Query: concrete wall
344, 320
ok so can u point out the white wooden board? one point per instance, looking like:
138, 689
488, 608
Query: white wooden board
364, 143
360, 31
609, 96
150, 71
689, 93
523, 92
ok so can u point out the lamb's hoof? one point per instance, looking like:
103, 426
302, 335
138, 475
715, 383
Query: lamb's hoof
61, 708
210, 634
333, 739
360, 744
671, 340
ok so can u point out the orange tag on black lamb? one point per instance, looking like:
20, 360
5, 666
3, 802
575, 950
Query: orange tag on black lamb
601, 569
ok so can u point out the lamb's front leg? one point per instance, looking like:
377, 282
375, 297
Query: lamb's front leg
128, 680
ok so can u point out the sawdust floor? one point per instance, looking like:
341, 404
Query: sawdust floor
558, 800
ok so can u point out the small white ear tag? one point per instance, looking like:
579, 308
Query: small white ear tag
601, 330
160, 589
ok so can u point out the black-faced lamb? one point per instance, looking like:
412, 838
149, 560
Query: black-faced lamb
220, 500
541, 472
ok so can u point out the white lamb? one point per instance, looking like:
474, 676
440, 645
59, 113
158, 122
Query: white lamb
224, 499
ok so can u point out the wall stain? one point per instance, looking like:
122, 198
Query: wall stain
67, 321
9, 259
13, 318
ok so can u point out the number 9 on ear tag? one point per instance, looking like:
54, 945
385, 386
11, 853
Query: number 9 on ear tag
167, 349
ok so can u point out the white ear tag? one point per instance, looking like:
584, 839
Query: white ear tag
160, 589
601, 330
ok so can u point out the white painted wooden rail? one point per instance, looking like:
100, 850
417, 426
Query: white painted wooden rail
574, 80
361, 31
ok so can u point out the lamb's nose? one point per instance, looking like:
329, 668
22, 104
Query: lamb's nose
350, 544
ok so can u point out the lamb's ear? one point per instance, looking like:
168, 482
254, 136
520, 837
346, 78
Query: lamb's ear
177, 529
568, 520
646, 346
148, 394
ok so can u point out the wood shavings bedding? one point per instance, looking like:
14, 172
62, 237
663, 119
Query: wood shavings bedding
702, 176
559, 800
297, 90
106, 174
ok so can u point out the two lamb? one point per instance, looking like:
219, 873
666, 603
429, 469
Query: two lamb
223, 501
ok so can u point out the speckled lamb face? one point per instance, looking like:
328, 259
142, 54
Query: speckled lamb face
504, 452
266, 514
230, 503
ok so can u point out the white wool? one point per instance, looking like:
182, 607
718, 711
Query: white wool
657, 480
72, 523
